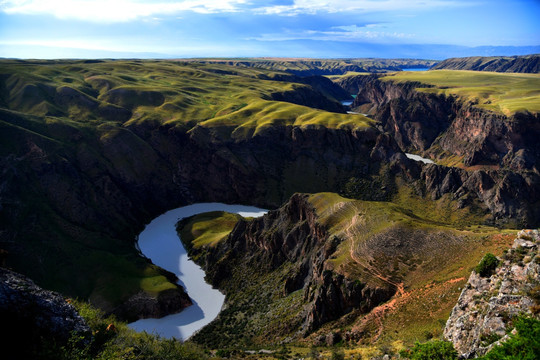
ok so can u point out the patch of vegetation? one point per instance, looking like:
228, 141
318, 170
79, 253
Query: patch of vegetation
112, 339
524, 345
487, 265
431, 350
206, 229
506, 93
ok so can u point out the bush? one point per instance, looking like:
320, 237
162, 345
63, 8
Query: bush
432, 350
487, 265
525, 345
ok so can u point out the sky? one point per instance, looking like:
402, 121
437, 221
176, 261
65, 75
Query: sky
271, 28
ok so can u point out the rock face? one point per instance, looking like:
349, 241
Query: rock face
487, 306
144, 305
516, 64
506, 194
31, 315
353, 84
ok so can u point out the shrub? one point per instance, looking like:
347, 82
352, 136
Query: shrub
432, 350
524, 345
487, 265
338, 354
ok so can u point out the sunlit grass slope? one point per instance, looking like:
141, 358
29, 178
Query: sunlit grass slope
500, 92
156, 93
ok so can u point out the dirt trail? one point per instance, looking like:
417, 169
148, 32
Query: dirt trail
376, 314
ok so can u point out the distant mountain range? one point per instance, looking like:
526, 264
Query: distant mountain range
514, 64
290, 48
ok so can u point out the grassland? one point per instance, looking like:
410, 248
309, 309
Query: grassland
500, 92
156, 93
207, 229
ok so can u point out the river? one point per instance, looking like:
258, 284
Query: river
160, 243
419, 158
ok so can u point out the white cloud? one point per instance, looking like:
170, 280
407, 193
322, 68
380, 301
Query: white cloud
339, 33
115, 10
334, 6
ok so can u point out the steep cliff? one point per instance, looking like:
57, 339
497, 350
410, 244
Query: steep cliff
354, 83
491, 301
444, 126
498, 153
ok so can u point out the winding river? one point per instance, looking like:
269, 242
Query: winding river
160, 243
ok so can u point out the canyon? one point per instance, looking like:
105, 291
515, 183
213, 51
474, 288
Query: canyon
93, 150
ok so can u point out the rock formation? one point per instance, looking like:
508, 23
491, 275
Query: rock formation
488, 305
32, 316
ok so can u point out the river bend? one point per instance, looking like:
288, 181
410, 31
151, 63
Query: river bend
160, 243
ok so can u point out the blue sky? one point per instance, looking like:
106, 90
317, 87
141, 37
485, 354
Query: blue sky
281, 28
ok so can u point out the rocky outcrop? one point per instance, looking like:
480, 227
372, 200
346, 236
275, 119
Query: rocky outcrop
505, 194
515, 64
33, 317
145, 305
488, 305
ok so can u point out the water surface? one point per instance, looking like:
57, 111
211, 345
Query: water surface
419, 158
